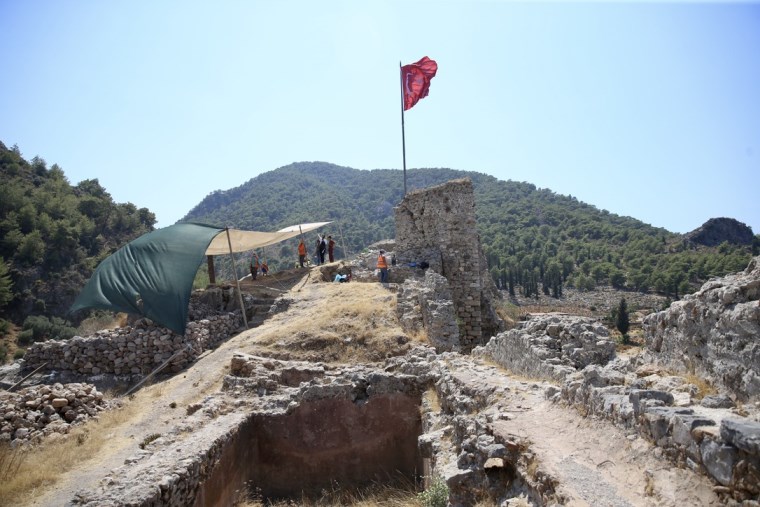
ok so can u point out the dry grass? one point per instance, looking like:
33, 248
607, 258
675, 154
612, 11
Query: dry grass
351, 322
377, 495
432, 401
23, 472
101, 320
704, 388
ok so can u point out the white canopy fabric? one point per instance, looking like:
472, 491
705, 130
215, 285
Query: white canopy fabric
242, 241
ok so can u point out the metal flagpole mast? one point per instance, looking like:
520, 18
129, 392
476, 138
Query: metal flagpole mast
403, 137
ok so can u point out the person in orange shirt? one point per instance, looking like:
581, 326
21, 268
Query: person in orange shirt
382, 265
301, 252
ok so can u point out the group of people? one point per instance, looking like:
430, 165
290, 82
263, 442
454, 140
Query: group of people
256, 266
323, 246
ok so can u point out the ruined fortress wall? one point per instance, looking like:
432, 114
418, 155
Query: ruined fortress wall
714, 333
132, 349
438, 225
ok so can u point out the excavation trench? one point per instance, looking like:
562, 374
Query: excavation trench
327, 444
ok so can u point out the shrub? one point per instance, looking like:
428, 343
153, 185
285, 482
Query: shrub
25, 337
4, 327
437, 495
19, 353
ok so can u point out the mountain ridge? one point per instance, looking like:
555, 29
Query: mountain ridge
526, 231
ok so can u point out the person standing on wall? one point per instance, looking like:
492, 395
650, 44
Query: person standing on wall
254, 266
301, 252
382, 265
330, 248
317, 246
322, 249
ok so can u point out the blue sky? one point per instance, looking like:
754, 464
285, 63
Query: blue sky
648, 109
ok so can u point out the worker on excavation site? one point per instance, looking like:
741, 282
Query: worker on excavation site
382, 266
301, 252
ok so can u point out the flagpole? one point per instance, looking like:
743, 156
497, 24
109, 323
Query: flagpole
403, 137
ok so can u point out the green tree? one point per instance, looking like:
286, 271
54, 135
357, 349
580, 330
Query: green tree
621, 321
6, 294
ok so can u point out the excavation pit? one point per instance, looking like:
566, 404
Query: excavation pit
327, 444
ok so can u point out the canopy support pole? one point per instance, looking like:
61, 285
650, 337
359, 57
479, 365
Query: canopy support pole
234, 271
211, 272
343, 240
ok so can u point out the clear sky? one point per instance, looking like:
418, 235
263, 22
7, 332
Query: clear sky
647, 109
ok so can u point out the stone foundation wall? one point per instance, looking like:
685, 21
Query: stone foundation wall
708, 437
437, 225
132, 349
425, 304
714, 333
551, 346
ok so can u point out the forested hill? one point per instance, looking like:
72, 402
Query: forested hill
53, 235
535, 239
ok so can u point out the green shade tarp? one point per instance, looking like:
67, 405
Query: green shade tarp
151, 276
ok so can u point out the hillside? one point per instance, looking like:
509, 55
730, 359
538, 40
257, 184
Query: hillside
53, 235
536, 241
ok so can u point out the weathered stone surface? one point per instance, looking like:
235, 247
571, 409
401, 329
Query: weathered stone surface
35, 412
717, 401
713, 333
743, 434
132, 349
553, 346
719, 460
437, 225
426, 304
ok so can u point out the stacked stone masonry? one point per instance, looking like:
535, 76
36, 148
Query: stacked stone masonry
137, 349
437, 225
425, 304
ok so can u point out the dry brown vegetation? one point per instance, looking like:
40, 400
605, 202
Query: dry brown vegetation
348, 322
376, 495
25, 471
704, 388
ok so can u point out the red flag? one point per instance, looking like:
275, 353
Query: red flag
415, 80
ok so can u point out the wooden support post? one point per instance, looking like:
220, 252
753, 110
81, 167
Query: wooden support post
211, 272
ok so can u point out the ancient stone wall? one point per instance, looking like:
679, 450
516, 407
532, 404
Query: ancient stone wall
709, 434
132, 349
551, 346
437, 225
714, 333
425, 304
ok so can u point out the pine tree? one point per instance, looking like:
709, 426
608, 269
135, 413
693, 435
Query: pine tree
621, 322
5, 284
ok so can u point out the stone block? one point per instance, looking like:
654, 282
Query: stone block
719, 460
743, 434
683, 424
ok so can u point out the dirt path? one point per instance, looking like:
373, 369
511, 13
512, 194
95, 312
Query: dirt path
597, 464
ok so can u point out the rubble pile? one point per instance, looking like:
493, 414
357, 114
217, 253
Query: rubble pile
35, 412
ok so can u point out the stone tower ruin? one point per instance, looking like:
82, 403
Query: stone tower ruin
437, 225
